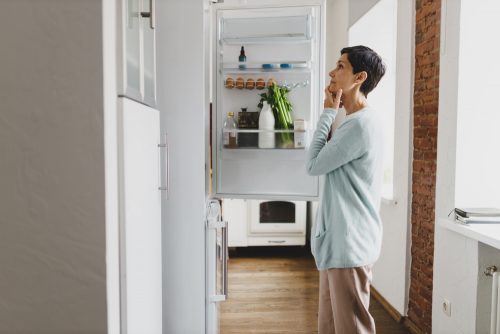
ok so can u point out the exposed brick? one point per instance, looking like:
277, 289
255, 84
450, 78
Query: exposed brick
425, 118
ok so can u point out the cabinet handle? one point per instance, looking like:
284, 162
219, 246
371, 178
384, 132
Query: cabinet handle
167, 167
150, 14
276, 241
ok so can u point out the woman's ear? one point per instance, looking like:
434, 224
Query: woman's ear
361, 77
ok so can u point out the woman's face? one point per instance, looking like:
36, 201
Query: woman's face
342, 76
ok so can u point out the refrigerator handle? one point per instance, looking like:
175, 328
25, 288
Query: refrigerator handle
224, 260
166, 177
150, 14
152, 22
309, 27
223, 255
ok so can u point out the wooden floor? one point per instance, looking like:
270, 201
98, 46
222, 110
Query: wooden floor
275, 290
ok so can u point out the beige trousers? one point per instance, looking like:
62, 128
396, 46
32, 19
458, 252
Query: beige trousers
344, 297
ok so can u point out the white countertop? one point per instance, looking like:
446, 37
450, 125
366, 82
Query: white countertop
486, 233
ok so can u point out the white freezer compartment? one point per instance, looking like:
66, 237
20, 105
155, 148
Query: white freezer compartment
261, 25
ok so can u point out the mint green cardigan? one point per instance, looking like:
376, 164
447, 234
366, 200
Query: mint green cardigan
348, 229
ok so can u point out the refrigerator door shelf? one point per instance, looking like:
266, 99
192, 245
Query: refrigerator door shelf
266, 29
283, 139
262, 131
266, 66
255, 70
269, 155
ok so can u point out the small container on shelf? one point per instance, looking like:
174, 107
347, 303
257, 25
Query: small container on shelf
242, 59
299, 124
260, 84
248, 120
266, 122
229, 83
268, 66
250, 84
229, 138
299, 137
240, 83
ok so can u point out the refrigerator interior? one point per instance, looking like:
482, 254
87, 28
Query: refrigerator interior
273, 36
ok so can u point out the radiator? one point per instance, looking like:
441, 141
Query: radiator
495, 304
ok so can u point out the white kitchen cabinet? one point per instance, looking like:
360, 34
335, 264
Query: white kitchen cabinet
136, 51
139, 170
235, 212
140, 217
245, 227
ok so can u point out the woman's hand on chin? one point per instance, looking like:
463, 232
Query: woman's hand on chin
333, 99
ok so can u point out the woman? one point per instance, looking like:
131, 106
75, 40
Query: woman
347, 236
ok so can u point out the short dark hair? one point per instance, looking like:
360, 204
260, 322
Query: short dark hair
362, 58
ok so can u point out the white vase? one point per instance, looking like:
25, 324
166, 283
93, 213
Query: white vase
266, 122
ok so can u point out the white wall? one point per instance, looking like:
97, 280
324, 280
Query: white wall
337, 25
391, 272
382, 14
183, 103
358, 9
445, 172
52, 204
478, 155
468, 79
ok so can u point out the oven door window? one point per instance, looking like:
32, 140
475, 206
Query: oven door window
277, 217
277, 212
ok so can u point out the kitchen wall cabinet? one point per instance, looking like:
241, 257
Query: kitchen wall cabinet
136, 51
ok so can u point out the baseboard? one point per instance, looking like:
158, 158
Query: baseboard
412, 328
386, 305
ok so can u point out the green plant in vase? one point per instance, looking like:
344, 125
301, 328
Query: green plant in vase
277, 97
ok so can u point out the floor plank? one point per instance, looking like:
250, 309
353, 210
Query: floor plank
275, 290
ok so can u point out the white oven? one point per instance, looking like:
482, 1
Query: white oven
271, 216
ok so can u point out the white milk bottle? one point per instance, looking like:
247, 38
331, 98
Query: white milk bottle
266, 122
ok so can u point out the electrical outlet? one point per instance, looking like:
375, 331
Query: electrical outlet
447, 307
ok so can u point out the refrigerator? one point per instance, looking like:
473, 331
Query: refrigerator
283, 42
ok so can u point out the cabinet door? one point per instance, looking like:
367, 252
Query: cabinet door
140, 218
131, 80
149, 52
236, 214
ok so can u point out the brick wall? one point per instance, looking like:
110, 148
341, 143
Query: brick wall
426, 94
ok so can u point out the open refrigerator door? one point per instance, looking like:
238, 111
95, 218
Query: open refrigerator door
272, 53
